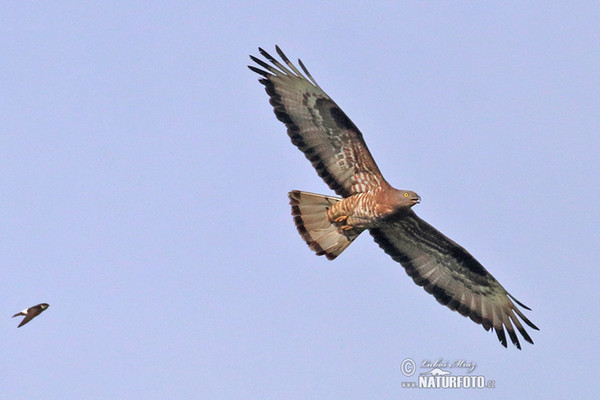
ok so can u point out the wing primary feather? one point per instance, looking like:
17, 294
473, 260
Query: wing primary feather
497, 324
511, 331
275, 62
525, 319
520, 328
518, 302
288, 62
259, 71
314, 82
501, 336
266, 66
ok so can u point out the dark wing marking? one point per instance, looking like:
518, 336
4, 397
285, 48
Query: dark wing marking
452, 275
318, 127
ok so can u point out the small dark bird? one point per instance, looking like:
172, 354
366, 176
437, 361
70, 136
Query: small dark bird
31, 313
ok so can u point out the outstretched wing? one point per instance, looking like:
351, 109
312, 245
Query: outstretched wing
452, 275
27, 318
318, 127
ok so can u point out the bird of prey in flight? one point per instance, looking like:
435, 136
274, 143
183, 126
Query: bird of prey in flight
320, 129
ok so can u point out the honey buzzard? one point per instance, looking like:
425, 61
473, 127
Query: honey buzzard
337, 150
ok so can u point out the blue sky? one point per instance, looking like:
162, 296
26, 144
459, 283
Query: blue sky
144, 185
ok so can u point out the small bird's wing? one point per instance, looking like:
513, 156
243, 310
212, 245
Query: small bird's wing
318, 127
28, 317
452, 275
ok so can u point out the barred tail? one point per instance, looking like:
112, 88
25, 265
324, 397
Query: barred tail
310, 215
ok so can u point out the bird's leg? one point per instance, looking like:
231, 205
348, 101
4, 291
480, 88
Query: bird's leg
341, 214
342, 221
339, 217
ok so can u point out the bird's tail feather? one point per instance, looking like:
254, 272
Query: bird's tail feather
17, 314
310, 215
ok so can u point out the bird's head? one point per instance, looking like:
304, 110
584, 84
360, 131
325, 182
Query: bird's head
394, 200
406, 198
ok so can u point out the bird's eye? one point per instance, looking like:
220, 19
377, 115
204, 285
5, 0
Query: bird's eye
405, 194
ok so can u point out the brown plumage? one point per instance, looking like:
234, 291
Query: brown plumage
337, 150
31, 312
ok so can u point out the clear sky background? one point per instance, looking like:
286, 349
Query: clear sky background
144, 184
